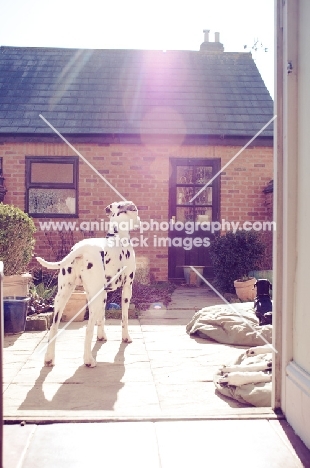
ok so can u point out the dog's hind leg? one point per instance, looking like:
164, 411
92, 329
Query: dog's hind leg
126, 296
61, 299
101, 336
95, 314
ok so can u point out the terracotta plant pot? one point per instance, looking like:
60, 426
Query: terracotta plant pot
16, 285
76, 302
245, 289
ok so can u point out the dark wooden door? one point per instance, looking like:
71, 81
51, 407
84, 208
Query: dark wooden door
191, 232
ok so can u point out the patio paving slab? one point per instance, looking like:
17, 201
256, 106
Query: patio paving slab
151, 403
163, 373
240, 444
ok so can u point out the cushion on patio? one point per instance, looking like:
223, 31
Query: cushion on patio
234, 324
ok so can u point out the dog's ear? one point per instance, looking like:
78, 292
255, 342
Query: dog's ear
121, 207
128, 206
132, 208
108, 210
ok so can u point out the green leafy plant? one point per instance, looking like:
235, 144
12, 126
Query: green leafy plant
16, 239
49, 278
41, 298
233, 255
40, 290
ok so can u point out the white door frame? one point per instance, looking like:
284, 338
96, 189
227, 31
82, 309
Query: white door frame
285, 190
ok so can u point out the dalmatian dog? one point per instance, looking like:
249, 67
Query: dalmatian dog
100, 265
256, 367
256, 350
243, 378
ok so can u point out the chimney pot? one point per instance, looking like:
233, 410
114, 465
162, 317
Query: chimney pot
217, 37
206, 35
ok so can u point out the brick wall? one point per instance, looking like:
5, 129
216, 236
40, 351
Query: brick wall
268, 236
141, 174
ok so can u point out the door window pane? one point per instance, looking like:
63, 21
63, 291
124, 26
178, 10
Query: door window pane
184, 195
185, 214
185, 175
203, 174
203, 214
205, 197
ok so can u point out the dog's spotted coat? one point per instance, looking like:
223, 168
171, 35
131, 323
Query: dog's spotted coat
100, 265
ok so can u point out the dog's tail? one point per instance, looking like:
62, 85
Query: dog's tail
57, 265
49, 265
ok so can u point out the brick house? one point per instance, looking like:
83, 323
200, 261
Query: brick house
155, 125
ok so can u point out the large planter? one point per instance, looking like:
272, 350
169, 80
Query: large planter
76, 302
16, 285
245, 289
15, 313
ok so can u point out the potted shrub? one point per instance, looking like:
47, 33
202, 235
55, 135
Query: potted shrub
16, 247
233, 256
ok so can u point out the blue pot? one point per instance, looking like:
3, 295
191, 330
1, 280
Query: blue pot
112, 305
15, 313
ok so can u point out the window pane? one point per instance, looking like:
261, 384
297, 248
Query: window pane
61, 201
45, 173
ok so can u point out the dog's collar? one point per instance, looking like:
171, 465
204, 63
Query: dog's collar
125, 241
112, 234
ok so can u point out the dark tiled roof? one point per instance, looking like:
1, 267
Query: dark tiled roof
131, 92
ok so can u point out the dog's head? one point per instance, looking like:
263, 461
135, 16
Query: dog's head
123, 212
263, 287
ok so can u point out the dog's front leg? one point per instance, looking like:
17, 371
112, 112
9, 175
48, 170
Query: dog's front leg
243, 378
126, 296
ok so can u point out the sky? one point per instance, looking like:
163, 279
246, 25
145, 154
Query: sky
143, 24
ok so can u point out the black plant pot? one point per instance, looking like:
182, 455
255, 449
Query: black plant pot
15, 313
